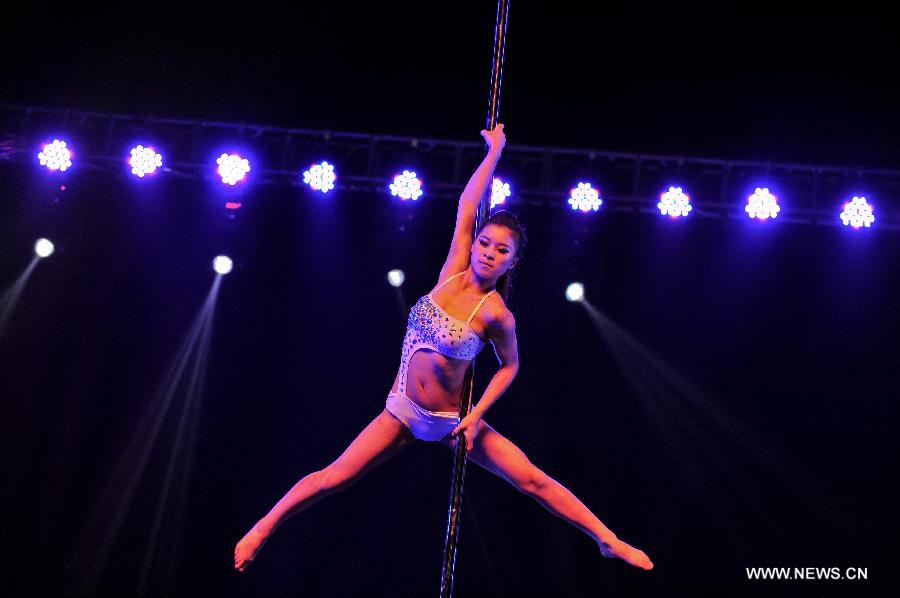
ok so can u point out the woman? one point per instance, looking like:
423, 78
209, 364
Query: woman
424, 400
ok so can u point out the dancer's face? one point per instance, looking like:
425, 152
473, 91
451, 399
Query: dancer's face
494, 251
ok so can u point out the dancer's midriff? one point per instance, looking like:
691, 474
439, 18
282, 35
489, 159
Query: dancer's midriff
434, 381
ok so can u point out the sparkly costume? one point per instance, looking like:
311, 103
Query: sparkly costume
429, 326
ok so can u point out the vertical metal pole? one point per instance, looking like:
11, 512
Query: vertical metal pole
459, 461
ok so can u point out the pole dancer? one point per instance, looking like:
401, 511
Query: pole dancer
446, 329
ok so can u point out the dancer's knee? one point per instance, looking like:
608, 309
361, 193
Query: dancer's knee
533, 482
332, 480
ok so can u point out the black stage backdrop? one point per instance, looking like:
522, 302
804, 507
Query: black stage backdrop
759, 429
774, 448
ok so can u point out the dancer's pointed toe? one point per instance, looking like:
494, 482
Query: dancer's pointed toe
617, 549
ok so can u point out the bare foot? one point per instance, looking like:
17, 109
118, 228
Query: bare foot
617, 549
245, 550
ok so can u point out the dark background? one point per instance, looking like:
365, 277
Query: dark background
779, 453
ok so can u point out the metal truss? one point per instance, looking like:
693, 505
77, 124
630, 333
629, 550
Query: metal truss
540, 176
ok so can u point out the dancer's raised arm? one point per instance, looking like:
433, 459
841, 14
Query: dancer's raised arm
461, 245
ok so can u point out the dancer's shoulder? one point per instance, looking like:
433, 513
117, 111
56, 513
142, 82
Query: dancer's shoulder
497, 314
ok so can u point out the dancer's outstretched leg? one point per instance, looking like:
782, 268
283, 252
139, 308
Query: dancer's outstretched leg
384, 437
499, 455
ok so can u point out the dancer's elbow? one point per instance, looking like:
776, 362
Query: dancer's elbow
512, 367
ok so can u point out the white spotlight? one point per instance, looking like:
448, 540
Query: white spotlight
43, 247
222, 264
857, 212
762, 204
55, 156
396, 277
585, 198
232, 168
575, 292
320, 177
144, 161
406, 186
499, 192
675, 203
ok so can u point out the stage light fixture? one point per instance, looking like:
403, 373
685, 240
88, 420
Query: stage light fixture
222, 264
43, 247
232, 168
762, 204
499, 192
857, 213
396, 278
144, 161
585, 198
320, 177
575, 292
55, 156
406, 186
675, 203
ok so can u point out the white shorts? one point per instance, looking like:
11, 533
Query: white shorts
424, 424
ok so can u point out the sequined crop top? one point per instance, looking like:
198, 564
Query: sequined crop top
430, 326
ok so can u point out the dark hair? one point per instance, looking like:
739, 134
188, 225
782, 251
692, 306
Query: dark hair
509, 220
